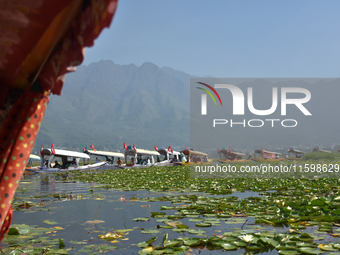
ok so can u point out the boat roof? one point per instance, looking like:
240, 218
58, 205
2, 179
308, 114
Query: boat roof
36, 157
273, 152
106, 153
236, 153
296, 151
59, 152
270, 152
194, 153
171, 153
142, 152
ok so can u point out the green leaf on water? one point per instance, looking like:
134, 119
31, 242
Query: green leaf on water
151, 231
174, 242
61, 244
85, 250
165, 238
229, 246
194, 242
151, 240
141, 219
308, 250
50, 222
289, 252
196, 232
13, 231
203, 224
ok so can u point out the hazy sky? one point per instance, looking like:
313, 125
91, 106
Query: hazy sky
221, 38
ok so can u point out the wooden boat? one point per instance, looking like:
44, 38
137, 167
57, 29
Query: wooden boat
267, 156
196, 158
297, 155
139, 157
228, 156
70, 161
168, 157
110, 158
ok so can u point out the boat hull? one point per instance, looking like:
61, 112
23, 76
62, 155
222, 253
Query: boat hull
58, 170
198, 163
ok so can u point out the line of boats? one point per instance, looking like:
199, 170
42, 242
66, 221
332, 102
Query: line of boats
58, 160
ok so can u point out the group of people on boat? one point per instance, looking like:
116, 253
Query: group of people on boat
64, 166
139, 161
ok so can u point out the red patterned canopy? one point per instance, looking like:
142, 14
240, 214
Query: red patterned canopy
40, 41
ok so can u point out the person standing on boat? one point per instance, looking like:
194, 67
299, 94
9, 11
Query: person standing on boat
132, 160
97, 160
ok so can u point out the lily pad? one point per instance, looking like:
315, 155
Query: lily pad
203, 224
196, 232
141, 219
151, 231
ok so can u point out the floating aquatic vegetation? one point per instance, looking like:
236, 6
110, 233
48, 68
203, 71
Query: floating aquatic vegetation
305, 211
112, 236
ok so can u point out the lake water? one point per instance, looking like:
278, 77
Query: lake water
82, 202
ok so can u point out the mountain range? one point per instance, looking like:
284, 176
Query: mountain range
106, 104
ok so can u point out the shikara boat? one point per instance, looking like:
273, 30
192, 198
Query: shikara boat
139, 157
110, 158
70, 161
318, 149
168, 157
196, 158
297, 155
228, 156
267, 156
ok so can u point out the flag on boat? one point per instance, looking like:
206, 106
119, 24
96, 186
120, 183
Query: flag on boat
93, 147
170, 149
187, 148
134, 148
52, 150
83, 149
125, 147
218, 151
156, 149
